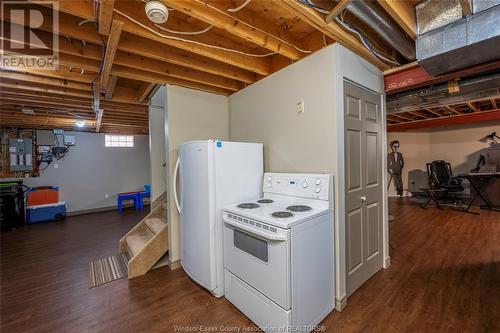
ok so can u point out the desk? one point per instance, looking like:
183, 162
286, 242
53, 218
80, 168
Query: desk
483, 179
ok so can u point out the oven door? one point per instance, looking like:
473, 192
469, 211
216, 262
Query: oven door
259, 255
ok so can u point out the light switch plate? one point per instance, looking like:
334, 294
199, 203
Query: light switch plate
300, 107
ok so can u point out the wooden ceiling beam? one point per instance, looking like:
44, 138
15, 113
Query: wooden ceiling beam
137, 74
465, 118
261, 22
148, 50
112, 115
83, 102
144, 90
332, 30
403, 12
45, 89
125, 59
400, 116
493, 103
110, 89
473, 106
124, 97
416, 114
339, 7
105, 16
433, 112
63, 73
111, 46
82, 9
25, 77
451, 109
137, 68
223, 20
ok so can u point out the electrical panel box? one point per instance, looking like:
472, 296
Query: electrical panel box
45, 138
69, 140
20, 155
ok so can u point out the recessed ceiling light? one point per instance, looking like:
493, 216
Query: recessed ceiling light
156, 11
80, 123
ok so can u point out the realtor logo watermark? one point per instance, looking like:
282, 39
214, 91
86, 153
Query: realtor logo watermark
30, 35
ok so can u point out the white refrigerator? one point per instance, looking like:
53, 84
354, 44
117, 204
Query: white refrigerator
212, 174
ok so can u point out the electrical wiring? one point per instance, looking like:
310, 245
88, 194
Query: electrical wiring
185, 32
348, 27
240, 7
190, 41
313, 6
365, 43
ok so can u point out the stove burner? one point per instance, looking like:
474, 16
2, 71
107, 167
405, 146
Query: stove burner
282, 214
265, 201
298, 208
248, 205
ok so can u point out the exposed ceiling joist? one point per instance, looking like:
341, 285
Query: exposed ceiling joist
25, 77
105, 16
449, 108
331, 29
112, 44
110, 90
83, 10
434, 112
466, 118
144, 90
339, 7
223, 20
403, 12
472, 106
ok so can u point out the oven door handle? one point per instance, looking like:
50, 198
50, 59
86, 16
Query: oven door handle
261, 233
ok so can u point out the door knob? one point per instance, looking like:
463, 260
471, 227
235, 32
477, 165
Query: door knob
363, 198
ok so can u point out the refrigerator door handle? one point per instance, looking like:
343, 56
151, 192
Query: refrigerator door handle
174, 189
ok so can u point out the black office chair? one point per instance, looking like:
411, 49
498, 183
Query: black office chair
441, 177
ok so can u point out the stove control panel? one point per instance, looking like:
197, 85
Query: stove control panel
314, 186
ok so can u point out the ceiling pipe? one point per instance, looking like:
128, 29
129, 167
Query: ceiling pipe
378, 20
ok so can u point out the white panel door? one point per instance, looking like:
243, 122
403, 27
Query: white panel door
363, 172
197, 216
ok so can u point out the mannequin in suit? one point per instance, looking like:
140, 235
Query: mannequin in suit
395, 164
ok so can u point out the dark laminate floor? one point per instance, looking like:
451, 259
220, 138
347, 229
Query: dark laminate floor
445, 276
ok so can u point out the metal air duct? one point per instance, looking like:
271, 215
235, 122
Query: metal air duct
379, 20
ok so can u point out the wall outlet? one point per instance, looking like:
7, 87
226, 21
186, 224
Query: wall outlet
56, 166
106, 196
300, 107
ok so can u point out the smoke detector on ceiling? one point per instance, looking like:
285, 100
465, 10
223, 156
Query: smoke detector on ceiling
156, 11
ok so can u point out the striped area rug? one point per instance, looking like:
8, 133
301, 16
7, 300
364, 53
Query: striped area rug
108, 269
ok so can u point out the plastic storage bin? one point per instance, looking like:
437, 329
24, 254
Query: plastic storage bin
42, 195
48, 212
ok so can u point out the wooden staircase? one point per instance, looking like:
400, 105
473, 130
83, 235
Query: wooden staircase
147, 242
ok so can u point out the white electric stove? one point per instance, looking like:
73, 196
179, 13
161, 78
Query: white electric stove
278, 252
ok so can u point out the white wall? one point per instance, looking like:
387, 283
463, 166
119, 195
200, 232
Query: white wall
191, 115
312, 141
157, 144
90, 171
458, 145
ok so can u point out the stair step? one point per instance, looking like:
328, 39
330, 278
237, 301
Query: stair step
155, 224
136, 242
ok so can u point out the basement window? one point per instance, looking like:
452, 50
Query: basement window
119, 140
